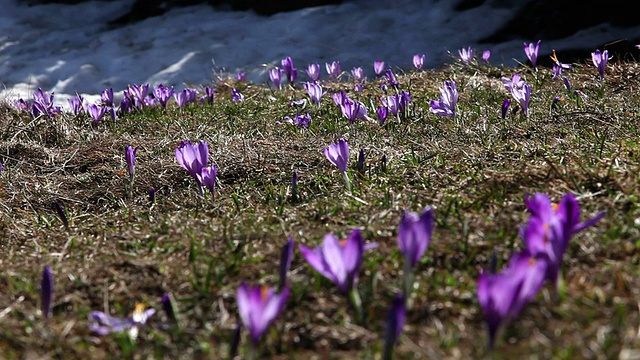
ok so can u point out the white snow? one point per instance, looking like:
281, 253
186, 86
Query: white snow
69, 48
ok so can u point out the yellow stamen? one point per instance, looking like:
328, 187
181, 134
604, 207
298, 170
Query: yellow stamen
532, 261
554, 206
343, 242
554, 57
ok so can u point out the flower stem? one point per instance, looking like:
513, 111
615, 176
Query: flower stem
356, 302
347, 182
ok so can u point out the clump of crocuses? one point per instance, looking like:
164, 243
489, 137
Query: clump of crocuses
194, 158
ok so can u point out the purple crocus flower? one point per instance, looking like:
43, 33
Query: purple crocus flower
138, 93
275, 75
43, 104
168, 307
285, 261
107, 97
382, 113
299, 120
414, 235
258, 307
392, 102
466, 55
152, 195
61, 214
242, 76
558, 67
125, 105
395, 323
567, 85
358, 73
333, 69
96, 111
600, 60
514, 83
103, 324
446, 106
289, 69
502, 296
532, 52
378, 67
46, 291
75, 104
163, 94
185, 96
390, 78
193, 158
338, 154
314, 90
418, 61
313, 70
336, 260
22, 105
354, 110
339, 98
523, 96
360, 162
486, 55
236, 96
208, 178
209, 93
130, 158
505, 107
551, 226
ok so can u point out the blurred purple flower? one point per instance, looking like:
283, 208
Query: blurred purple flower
339, 98
532, 52
558, 66
46, 291
163, 94
294, 186
514, 83
61, 214
390, 78
285, 261
378, 67
523, 96
107, 97
130, 158
382, 112
414, 235
75, 104
333, 69
566, 83
43, 104
258, 307
314, 90
236, 96
466, 55
168, 307
600, 60
505, 107
185, 96
193, 158
96, 111
486, 55
360, 162
358, 73
354, 110
208, 178
338, 154
418, 61
103, 324
299, 120
551, 226
209, 93
275, 75
242, 76
395, 322
446, 106
502, 296
152, 195
289, 69
336, 260
138, 94
313, 70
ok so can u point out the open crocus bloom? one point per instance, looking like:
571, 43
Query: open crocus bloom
259, 306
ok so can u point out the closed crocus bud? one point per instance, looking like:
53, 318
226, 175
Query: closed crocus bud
46, 291
505, 107
285, 262
418, 61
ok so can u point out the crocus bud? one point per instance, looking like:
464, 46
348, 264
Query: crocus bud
46, 291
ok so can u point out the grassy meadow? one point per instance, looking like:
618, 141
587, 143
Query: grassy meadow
474, 169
